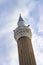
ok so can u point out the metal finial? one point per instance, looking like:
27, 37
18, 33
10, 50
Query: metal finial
20, 14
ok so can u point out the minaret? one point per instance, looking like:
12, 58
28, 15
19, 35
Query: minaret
23, 36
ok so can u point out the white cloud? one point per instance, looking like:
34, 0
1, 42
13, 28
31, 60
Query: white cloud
37, 42
23, 11
40, 24
12, 20
31, 21
32, 5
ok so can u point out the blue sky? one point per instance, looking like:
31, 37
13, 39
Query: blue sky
32, 13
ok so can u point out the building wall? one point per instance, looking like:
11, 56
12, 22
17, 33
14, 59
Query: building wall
25, 50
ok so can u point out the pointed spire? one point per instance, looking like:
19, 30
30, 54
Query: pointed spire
20, 18
21, 21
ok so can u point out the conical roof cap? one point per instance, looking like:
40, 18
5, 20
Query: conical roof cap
20, 18
21, 22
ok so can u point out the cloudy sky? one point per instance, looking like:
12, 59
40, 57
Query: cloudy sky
32, 13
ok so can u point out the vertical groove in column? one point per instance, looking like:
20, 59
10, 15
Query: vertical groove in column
27, 55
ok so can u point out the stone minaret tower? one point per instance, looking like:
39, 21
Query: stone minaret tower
23, 36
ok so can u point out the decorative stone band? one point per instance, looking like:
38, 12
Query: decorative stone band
23, 31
